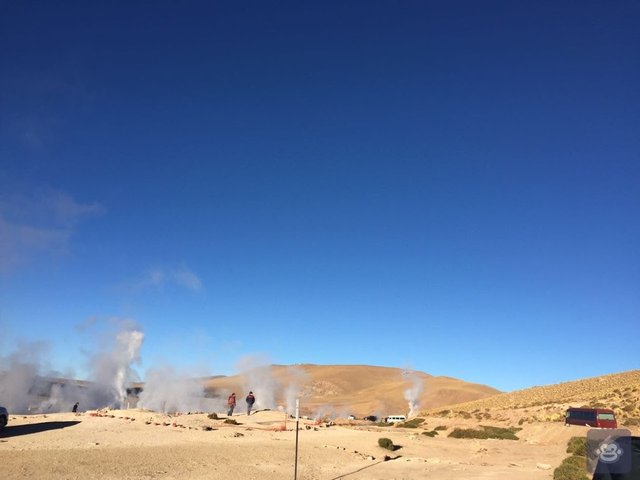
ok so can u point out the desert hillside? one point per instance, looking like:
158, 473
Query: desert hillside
619, 391
356, 389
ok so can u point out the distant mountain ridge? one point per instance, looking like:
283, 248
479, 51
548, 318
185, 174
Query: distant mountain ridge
360, 389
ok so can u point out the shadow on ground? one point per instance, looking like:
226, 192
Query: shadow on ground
17, 430
386, 459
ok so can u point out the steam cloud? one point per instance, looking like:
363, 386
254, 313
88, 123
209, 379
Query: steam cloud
298, 377
258, 377
412, 394
166, 390
27, 386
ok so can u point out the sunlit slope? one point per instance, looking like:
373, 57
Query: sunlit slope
357, 389
619, 391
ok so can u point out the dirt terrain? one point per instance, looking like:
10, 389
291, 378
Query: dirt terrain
135, 444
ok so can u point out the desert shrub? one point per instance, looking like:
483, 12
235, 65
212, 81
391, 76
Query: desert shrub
574, 466
213, 416
444, 413
231, 421
502, 433
569, 471
413, 423
577, 446
486, 432
384, 424
440, 427
465, 415
521, 421
431, 433
629, 407
386, 443
632, 422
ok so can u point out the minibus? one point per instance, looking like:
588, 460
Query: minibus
395, 418
591, 417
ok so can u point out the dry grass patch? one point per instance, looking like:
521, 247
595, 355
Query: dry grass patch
486, 432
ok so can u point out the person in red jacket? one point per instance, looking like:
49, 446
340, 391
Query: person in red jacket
250, 401
231, 403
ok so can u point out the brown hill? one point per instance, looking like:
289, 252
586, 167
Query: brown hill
619, 391
356, 389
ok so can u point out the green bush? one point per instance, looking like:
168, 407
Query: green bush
386, 443
384, 424
486, 432
574, 466
413, 423
571, 468
577, 446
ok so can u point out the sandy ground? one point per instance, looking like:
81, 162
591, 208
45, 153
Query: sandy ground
134, 444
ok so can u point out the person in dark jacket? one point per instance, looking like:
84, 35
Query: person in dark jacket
75, 407
250, 401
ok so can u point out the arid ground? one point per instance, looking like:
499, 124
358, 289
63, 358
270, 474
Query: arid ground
136, 444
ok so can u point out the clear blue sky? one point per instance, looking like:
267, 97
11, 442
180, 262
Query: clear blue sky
450, 186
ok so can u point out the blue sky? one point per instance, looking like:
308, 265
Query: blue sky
448, 186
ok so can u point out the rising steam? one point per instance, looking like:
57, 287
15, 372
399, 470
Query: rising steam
166, 390
258, 377
412, 394
28, 386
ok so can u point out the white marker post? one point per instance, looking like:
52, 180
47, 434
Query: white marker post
295, 472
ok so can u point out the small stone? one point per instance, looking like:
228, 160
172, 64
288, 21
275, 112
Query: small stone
543, 466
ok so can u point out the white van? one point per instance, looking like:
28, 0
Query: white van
395, 418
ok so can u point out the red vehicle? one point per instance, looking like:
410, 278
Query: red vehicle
591, 417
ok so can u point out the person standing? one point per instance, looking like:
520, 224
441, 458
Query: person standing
250, 401
75, 407
231, 403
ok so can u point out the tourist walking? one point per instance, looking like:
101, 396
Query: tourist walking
250, 401
231, 403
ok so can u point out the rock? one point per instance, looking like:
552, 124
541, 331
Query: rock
543, 466
514, 464
238, 434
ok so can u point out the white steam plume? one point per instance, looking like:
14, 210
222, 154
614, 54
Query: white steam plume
298, 377
112, 370
27, 386
258, 378
412, 394
166, 390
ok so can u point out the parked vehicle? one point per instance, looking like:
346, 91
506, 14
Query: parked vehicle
591, 417
371, 418
4, 417
395, 418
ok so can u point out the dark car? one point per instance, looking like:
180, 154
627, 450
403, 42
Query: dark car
371, 418
4, 417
